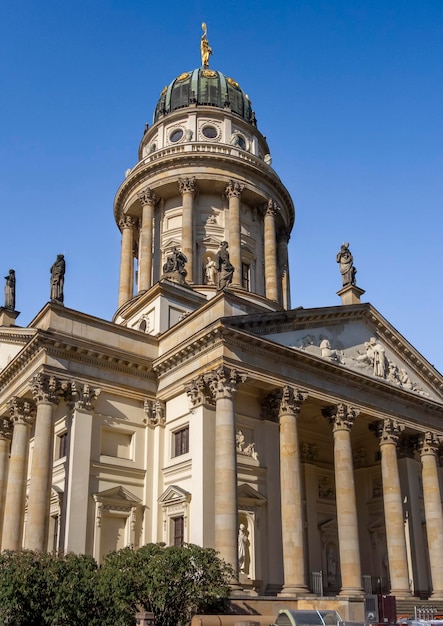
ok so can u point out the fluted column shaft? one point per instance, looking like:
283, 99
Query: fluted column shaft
429, 445
148, 200
45, 394
223, 386
233, 192
187, 187
22, 414
126, 286
342, 419
270, 238
291, 494
5, 441
389, 433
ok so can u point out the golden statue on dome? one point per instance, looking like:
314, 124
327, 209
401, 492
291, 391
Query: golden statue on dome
205, 48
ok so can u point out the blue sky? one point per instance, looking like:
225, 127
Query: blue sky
348, 92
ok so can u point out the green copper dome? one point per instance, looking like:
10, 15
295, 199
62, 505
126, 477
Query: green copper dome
204, 87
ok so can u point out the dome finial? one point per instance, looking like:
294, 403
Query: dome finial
205, 48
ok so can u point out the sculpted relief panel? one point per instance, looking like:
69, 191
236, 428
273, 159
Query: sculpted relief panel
354, 347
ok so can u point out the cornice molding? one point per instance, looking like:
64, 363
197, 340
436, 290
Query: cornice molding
171, 160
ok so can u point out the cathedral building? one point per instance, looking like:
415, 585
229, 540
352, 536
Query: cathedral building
302, 444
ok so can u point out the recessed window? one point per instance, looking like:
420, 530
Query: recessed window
180, 441
210, 132
245, 276
176, 135
62, 442
178, 530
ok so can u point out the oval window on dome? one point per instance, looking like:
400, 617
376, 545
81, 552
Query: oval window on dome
210, 132
176, 135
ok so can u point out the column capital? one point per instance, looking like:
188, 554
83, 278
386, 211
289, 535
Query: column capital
5, 428
340, 416
21, 411
187, 185
234, 189
429, 443
147, 196
81, 395
291, 400
198, 392
126, 221
388, 430
154, 412
223, 381
272, 208
46, 388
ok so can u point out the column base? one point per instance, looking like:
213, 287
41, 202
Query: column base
352, 592
401, 594
291, 591
436, 595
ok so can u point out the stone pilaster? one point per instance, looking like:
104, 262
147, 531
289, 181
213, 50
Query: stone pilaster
126, 287
81, 398
47, 392
291, 493
429, 445
223, 385
5, 441
388, 433
148, 201
270, 245
22, 414
188, 190
233, 192
342, 418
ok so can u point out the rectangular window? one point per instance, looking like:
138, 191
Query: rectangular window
178, 530
245, 276
181, 441
55, 522
62, 441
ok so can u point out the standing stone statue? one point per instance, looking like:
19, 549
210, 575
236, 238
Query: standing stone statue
224, 267
175, 265
347, 269
242, 546
58, 279
10, 291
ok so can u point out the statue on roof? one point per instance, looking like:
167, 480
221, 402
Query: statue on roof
205, 48
10, 291
347, 269
58, 279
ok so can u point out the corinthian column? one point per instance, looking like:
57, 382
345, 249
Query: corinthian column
5, 439
126, 287
223, 385
271, 251
46, 391
188, 189
388, 433
233, 192
148, 199
291, 494
342, 419
429, 444
22, 415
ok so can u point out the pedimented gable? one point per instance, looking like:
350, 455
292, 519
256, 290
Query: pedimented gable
247, 496
359, 347
174, 495
117, 496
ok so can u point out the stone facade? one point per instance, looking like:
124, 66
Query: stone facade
199, 412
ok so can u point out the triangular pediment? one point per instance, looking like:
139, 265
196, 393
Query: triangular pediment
248, 496
117, 495
356, 338
174, 494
